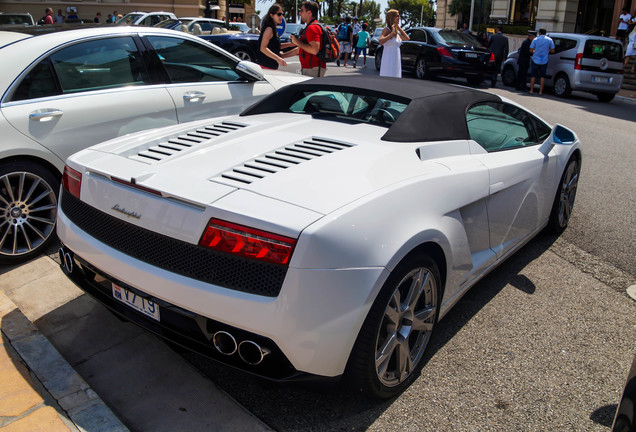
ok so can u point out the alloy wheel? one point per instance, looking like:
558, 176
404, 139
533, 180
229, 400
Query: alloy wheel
406, 327
568, 193
28, 208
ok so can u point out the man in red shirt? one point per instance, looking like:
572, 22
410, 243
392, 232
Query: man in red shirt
310, 42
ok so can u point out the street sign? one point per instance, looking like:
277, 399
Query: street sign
280, 29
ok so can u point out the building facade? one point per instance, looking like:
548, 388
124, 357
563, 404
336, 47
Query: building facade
573, 16
86, 10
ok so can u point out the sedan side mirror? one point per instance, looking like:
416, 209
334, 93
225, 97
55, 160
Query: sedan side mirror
563, 135
250, 71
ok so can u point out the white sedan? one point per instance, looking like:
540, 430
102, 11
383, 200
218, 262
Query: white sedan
324, 231
65, 90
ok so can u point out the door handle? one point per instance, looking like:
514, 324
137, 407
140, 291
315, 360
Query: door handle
45, 115
494, 188
194, 96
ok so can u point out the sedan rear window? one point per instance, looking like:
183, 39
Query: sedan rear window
598, 49
452, 37
348, 107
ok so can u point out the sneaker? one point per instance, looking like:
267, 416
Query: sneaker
338, 62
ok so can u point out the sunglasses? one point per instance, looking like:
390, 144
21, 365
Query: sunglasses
279, 14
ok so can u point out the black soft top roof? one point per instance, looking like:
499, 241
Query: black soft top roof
435, 111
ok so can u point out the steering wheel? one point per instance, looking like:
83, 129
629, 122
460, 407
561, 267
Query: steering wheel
382, 112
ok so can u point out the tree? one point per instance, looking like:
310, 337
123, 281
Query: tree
413, 13
462, 8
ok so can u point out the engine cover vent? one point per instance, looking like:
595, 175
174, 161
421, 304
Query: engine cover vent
280, 159
158, 152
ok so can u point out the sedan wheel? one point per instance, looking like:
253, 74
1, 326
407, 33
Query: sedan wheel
378, 59
244, 55
28, 208
421, 69
562, 86
390, 349
564, 200
508, 77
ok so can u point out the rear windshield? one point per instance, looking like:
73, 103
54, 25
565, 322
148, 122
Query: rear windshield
598, 49
348, 107
452, 37
15, 19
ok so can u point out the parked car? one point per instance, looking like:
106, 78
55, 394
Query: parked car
323, 231
240, 27
438, 52
374, 41
580, 62
625, 417
16, 18
195, 25
144, 18
293, 28
64, 90
243, 45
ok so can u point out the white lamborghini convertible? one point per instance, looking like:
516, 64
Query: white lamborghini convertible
322, 232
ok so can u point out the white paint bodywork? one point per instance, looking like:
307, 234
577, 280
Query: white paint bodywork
87, 118
356, 213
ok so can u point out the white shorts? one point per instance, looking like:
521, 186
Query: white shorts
345, 47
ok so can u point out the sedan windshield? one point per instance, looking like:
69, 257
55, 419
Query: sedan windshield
129, 19
452, 37
348, 107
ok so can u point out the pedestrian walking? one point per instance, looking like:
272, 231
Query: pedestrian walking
540, 48
391, 40
623, 25
345, 39
356, 28
523, 61
361, 46
499, 47
270, 55
310, 42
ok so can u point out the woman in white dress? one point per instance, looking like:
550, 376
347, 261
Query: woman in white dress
391, 39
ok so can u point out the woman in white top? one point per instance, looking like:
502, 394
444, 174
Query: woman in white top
391, 39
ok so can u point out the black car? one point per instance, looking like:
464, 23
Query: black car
437, 52
374, 40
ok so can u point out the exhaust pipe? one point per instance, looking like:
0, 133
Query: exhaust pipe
66, 260
251, 352
224, 343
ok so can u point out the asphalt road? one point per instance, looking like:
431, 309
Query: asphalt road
543, 343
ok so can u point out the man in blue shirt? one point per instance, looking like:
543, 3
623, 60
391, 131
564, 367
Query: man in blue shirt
540, 48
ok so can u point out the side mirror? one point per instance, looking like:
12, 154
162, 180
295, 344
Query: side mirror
250, 71
563, 135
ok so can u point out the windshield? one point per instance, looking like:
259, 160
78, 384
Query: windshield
348, 107
128, 19
169, 23
239, 26
377, 32
452, 37
293, 28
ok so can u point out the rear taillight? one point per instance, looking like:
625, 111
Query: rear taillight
444, 52
578, 62
72, 181
492, 57
247, 242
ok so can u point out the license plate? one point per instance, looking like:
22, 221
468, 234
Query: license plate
472, 55
599, 79
140, 304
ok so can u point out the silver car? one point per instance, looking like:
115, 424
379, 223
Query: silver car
581, 62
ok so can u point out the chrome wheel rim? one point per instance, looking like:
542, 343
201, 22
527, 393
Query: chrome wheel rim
406, 327
559, 86
243, 55
421, 69
568, 193
28, 207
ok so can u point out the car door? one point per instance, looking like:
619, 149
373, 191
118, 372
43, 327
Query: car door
203, 82
85, 93
412, 48
522, 171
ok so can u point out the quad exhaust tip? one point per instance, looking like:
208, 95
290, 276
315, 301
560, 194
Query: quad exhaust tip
249, 351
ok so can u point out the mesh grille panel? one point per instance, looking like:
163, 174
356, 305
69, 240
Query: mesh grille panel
176, 256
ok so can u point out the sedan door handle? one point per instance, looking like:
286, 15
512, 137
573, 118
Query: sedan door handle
194, 96
45, 115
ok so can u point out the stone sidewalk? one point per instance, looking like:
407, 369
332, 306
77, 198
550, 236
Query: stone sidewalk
39, 391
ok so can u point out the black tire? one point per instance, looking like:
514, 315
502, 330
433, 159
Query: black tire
378, 59
605, 97
508, 76
421, 68
562, 86
385, 327
565, 195
244, 54
475, 80
28, 210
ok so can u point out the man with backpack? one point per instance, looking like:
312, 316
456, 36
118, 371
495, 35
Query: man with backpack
310, 42
345, 38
